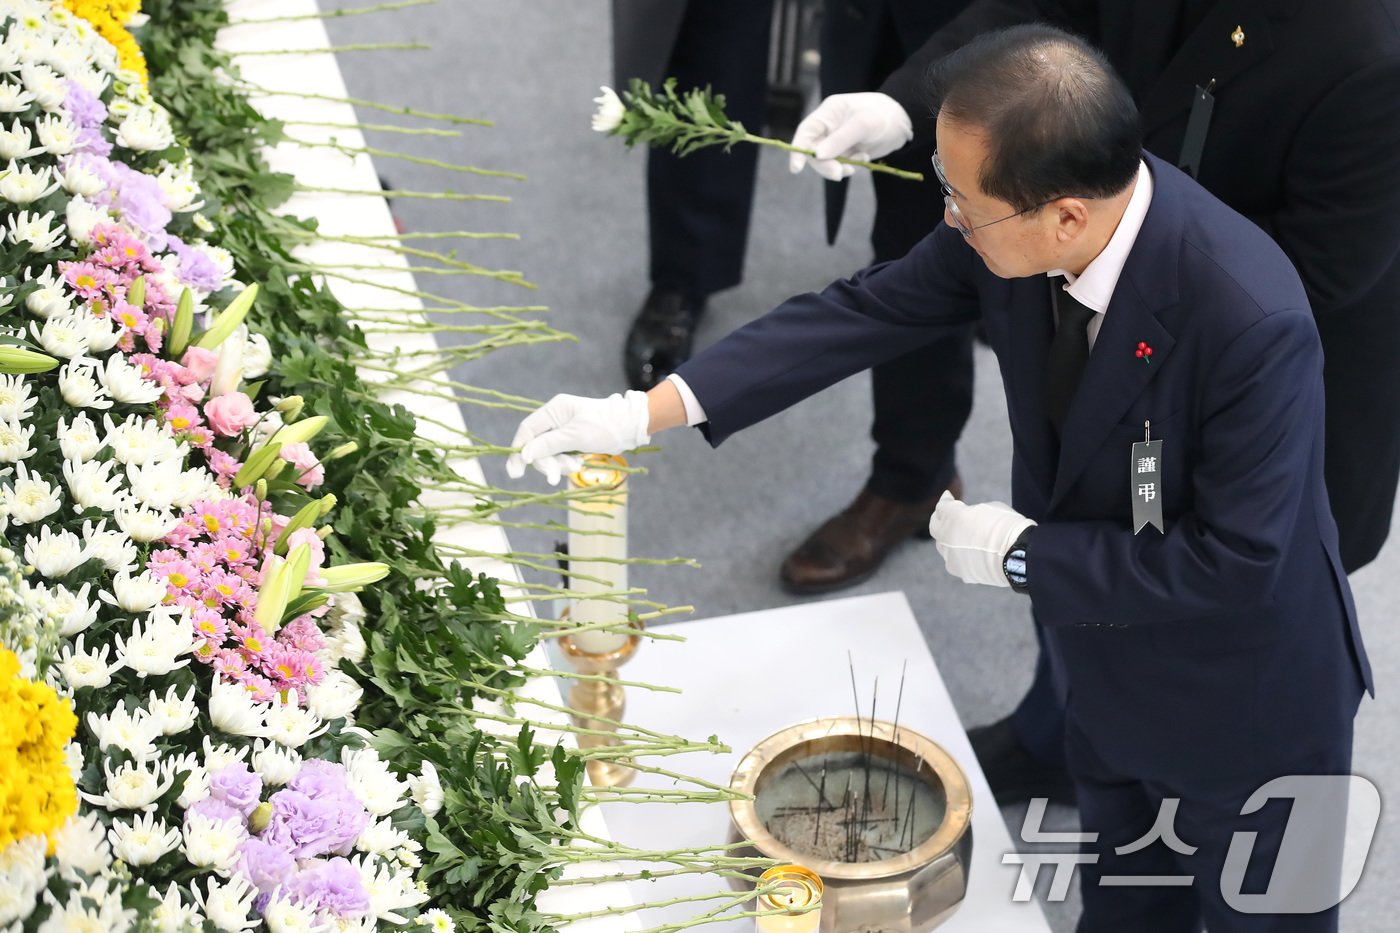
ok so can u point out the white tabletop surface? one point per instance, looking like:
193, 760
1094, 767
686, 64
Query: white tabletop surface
747, 676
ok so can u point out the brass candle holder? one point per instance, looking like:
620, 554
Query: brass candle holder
600, 704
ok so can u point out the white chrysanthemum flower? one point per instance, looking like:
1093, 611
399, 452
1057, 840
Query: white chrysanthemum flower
14, 99
274, 764
380, 838
212, 844
133, 786
30, 498
79, 387
193, 485
83, 217
99, 333
232, 710
22, 877
284, 916
227, 903
82, 182
35, 229
119, 109
155, 484
24, 184
389, 891
14, 441
172, 712
70, 55
60, 336
202, 224
95, 80
196, 785
74, 914
257, 357
137, 593
92, 484
72, 612
142, 524
141, 440
610, 112
172, 915
78, 440
142, 841
81, 668
436, 920
116, 551
81, 845
426, 789
45, 84
17, 142
57, 134
126, 383
290, 725
178, 186
50, 297
370, 779
53, 554
15, 402
218, 755
73, 758
135, 733
158, 647
145, 129
335, 697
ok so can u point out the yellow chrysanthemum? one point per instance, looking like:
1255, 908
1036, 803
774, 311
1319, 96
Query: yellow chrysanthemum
109, 18
36, 789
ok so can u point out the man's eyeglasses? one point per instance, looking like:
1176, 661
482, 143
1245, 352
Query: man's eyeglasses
955, 212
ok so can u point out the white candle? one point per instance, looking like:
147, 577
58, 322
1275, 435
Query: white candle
601, 513
794, 888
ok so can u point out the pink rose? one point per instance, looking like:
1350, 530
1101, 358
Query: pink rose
310, 473
230, 413
201, 362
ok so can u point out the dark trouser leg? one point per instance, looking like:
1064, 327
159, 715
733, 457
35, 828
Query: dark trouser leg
1121, 810
698, 206
1039, 720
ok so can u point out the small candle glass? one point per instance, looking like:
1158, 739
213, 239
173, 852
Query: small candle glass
588, 517
797, 892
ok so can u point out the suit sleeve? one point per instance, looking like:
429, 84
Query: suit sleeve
812, 341
1340, 217
1260, 449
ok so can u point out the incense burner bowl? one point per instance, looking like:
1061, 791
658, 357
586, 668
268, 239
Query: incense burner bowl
907, 891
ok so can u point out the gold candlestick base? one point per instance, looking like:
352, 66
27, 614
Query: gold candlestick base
595, 701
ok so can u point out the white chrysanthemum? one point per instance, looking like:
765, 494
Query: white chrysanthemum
92, 484
74, 914
15, 401
45, 84
17, 142
290, 725
82, 668
212, 844
335, 697
81, 845
274, 764
142, 841
192, 485
381, 838
116, 551
135, 593
30, 498
83, 217
436, 920
53, 554
57, 134
145, 129
284, 916
133, 786
141, 440
69, 55
156, 484
218, 755
14, 441
135, 733
50, 297
82, 182
22, 877
73, 758
370, 779
79, 387
60, 336
610, 112
159, 646
35, 229
172, 712
389, 891
143, 524
227, 903
232, 710
126, 383
79, 439
24, 184
99, 333
14, 99
173, 915
178, 186
257, 357
71, 612
426, 789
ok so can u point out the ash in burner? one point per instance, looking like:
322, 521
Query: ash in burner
850, 807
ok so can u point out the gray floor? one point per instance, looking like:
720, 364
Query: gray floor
533, 68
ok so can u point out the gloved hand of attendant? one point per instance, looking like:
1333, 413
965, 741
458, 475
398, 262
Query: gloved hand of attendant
974, 539
552, 437
863, 126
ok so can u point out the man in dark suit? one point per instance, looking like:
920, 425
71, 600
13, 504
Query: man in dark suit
1304, 139
1204, 655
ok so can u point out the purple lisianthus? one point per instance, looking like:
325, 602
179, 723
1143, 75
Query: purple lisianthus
236, 786
196, 270
332, 886
90, 140
264, 865
142, 204
215, 811
86, 109
318, 778
303, 827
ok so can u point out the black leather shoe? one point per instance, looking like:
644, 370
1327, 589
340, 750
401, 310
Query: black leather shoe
1015, 774
661, 335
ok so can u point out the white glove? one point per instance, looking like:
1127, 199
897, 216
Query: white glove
550, 435
861, 126
974, 539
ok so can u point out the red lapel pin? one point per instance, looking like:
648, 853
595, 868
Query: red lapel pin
1144, 352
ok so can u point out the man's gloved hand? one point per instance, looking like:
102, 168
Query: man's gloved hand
863, 126
974, 539
566, 425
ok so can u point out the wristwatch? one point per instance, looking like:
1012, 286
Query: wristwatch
1014, 563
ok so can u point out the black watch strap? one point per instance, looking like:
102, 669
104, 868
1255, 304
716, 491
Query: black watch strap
1014, 564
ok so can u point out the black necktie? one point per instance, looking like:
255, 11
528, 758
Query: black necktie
1069, 352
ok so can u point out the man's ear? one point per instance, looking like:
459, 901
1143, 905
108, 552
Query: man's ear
1071, 218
